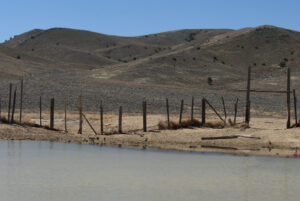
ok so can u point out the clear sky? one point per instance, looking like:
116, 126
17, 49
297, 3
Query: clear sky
138, 17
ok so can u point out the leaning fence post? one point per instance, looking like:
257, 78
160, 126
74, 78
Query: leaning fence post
235, 110
80, 116
288, 100
9, 102
101, 118
144, 116
224, 108
180, 114
168, 114
247, 113
203, 111
295, 107
13, 107
52, 114
21, 102
120, 119
40, 110
192, 109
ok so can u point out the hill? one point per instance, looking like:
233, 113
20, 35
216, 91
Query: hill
173, 64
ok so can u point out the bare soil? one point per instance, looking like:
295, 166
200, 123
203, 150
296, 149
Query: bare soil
266, 136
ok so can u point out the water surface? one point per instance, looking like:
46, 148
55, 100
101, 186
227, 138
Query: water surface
35, 171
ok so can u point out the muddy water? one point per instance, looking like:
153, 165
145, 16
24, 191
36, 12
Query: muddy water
35, 171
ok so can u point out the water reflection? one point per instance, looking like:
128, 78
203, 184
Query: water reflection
57, 171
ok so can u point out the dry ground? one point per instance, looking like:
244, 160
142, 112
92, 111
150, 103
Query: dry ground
267, 136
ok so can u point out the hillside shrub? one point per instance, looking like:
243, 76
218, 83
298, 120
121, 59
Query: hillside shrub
209, 81
282, 64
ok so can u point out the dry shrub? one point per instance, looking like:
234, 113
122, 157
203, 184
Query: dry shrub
238, 125
111, 132
214, 124
188, 123
27, 123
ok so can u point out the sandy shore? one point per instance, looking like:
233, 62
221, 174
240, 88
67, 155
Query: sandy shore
267, 136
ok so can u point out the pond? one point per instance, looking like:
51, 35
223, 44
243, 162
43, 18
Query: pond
35, 171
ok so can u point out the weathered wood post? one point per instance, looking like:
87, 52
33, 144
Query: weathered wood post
168, 114
180, 114
203, 111
13, 107
21, 102
9, 102
101, 118
0, 111
80, 115
41, 111
144, 116
295, 107
66, 129
52, 114
192, 110
247, 113
235, 110
224, 108
288, 100
120, 119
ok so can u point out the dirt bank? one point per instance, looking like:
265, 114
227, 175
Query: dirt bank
267, 136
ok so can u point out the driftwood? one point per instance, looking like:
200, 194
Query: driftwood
218, 147
229, 137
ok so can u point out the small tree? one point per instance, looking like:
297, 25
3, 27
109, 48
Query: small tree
209, 81
282, 64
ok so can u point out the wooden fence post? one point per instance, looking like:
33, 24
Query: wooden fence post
295, 107
247, 113
203, 111
66, 129
21, 102
224, 108
192, 109
41, 111
120, 119
80, 115
144, 116
288, 100
52, 114
168, 114
101, 118
0, 111
13, 107
9, 102
235, 110
180, 114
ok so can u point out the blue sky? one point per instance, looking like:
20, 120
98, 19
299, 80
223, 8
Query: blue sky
138, 17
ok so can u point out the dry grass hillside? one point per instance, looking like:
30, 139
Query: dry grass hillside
63, 63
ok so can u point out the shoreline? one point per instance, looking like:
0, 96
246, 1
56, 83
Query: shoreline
258, 140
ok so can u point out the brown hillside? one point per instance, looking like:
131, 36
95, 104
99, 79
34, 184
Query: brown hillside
124, 70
